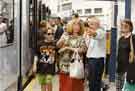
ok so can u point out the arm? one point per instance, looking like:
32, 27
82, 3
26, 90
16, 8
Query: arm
61, 41
83, 46
96, 34
35, 64
81, 49
99, 34
86, 38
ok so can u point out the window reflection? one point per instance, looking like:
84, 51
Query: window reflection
6, 22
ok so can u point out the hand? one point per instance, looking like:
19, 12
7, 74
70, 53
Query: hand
91, 32
60, 43
34, 69
62, 50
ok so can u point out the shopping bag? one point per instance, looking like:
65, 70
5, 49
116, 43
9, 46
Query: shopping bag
128, 87
76, 68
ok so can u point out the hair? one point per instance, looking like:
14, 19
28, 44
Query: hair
96, 20
91, 16
70, 26
129, 23
50, 28
43, 24
76, 15
59, 18
86, 24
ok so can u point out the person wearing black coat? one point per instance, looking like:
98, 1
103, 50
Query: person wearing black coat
123, 52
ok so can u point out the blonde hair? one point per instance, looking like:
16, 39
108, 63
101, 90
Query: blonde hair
70, 26
94, 19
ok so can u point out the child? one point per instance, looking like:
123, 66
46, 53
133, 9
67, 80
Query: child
46, 63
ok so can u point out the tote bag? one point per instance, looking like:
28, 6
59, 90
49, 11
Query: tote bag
76, 69
128, 87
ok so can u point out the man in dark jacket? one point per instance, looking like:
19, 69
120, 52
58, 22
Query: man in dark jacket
59, 31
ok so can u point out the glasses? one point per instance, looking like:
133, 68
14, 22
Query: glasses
50, 33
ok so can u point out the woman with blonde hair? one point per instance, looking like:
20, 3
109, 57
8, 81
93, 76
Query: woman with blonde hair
68, 44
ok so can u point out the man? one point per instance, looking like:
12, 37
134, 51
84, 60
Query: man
59, 31
3, 28
96, 52
11, 32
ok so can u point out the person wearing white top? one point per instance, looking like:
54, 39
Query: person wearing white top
95, 41
3, 28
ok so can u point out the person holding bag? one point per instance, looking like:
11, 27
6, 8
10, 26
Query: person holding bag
69, 44
125, 52
76, 69
129, 84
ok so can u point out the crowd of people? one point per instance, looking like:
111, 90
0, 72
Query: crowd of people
76, 51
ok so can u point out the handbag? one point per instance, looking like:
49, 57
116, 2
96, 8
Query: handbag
45, 65
130, 77
76, 68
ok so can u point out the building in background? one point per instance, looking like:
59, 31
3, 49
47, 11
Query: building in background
103, 9
52, 4
6, 8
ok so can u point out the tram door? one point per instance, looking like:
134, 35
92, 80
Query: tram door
8, 45
27, 41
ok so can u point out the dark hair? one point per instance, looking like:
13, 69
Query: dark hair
129, 22
43, 23
86, 24
76, 15
58, 18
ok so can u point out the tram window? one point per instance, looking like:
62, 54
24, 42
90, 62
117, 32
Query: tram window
7, 21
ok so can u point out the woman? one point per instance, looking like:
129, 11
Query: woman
68, 44
123, 52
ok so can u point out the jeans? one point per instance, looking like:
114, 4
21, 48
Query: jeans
96, 65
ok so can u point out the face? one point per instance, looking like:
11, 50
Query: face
50, 34
51, 21
125, 27
43, 29
92, 24
58, 21
76, 28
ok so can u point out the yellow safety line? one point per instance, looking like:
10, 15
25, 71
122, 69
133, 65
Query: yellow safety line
31, 85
